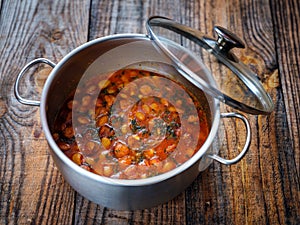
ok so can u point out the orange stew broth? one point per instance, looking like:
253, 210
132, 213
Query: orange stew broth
140, 124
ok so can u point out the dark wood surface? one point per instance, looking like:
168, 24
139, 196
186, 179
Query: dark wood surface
264, 188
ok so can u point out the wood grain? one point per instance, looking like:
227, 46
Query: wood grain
286, 24
264, 188
32, 190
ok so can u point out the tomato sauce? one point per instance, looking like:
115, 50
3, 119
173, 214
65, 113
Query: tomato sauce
134, 124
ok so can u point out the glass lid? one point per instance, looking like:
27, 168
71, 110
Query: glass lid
238, 86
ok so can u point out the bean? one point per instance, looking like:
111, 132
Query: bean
124, 128
106, 142
122, 95
145, 89
82, 120
172, 109
68, 132
90, 146
70, 104
86, 100
121, 150
77, 158
169, 165
164, 101
91, 89
124, 104
133, 73
64, 146
154, 106
102, 156
112, 90
109, 100
106, 131
146, 108
101, 110
140, 116
107, 171
102, 120
103, 84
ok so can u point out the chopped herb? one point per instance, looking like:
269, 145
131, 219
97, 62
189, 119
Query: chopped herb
135, 126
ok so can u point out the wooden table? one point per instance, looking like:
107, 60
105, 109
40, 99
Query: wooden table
263, 188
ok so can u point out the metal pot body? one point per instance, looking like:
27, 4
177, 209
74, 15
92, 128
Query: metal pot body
112, 53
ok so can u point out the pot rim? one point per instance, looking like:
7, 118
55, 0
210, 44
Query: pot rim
113, 181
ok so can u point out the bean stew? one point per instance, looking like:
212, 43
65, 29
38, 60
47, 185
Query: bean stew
133, 124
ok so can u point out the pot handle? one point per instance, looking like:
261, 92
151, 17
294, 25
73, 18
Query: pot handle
247, 142
21, 74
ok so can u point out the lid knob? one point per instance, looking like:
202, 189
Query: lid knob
227, 40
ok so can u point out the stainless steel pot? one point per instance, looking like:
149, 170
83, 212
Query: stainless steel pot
111, 53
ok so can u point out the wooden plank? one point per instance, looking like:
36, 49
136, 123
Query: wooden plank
250, 191
233, 186
286, 24
32, 190
231, 194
